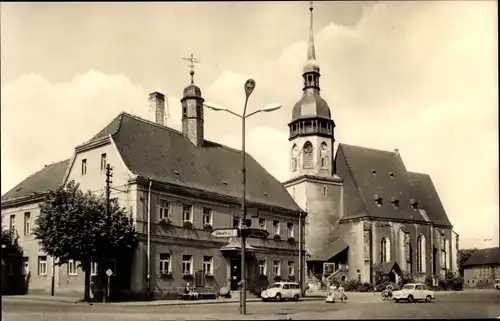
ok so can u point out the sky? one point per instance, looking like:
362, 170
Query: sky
421, 77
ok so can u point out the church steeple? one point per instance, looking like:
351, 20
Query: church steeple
311, 68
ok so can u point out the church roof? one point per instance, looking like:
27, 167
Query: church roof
48, 178
487, 256
164, 154
372, 175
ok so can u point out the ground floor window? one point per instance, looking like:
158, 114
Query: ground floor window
93, 268
26, 265
262, 267
42, 265
291, 268
187, 264
277, 267
208, 265
165, 263
72, 268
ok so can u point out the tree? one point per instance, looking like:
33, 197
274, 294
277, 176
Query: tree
12, 260
74, 225
463, 255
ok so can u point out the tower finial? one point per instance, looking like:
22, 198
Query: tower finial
192, 60
311, 52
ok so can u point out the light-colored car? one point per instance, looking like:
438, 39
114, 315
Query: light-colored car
497, 284
282, 291
413, 292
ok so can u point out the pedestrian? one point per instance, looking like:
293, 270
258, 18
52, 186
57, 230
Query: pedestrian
342, 294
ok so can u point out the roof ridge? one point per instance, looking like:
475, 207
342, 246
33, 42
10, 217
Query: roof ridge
149, 122
368, 148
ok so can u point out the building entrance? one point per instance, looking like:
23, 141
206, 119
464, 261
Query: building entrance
235, 273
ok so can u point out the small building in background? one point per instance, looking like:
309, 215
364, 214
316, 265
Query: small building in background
482, 269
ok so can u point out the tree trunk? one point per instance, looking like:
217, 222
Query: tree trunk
86, 270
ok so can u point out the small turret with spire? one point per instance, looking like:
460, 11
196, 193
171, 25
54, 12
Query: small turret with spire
192, 109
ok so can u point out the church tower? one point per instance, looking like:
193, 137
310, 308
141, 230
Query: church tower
192, 110
313, 183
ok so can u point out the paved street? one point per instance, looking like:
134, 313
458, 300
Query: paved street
479, 304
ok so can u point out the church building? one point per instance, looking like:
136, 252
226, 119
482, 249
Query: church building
366, 211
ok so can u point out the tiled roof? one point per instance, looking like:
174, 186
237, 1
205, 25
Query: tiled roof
329, 251
370, 174
388, 267
428, 198
163, 154
369, 171
487, 256
49, 177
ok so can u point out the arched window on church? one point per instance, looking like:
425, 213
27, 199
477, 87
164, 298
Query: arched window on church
308, 155
421, 266
324, 155
385, 250
295, 158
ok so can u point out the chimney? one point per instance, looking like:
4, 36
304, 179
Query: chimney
396, 151
157, 105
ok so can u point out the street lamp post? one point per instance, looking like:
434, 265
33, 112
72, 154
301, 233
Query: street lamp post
249, 87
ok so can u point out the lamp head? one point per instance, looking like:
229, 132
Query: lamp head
249, 86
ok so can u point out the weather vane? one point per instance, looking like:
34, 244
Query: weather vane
192, 60
310, 5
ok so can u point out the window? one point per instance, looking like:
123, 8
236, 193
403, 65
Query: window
187, 264
276, 227
291, 268
12, 223
262, 267
295, 158
308, 155
236, 222
164, 209
324, 155
385, 249
186, 213
84, 166
72, 268
418, 287
103, 163
277, 267
325, 190
289, 230
414, 204
378, 200
27, 223
165, 263
208, 265
207, 216
26, 266
262, 223
421, 257
42, 265
93, 268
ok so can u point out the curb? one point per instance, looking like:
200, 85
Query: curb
166, 303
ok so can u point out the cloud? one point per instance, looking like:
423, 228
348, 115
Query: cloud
420, 77
43, 122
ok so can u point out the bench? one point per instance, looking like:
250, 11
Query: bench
203, 294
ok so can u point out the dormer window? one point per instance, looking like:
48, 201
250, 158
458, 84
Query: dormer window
374, 172
395, 202
391, 174
378, 200
414, 204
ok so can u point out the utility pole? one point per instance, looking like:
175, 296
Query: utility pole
108, 216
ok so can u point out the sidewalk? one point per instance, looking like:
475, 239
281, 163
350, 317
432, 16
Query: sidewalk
43, 298
196, 302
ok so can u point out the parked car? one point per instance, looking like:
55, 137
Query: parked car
413, 292
497, 284
282, 291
